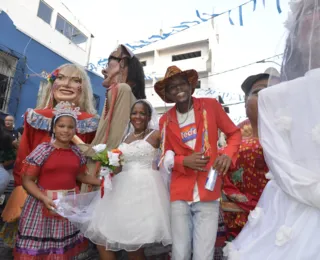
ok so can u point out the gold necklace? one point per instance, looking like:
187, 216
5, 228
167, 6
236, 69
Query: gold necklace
137, 135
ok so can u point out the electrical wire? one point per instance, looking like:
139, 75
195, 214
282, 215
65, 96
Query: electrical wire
24, 54
240, 67
237, 68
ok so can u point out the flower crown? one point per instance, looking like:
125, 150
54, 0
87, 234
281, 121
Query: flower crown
65, 108
52, 77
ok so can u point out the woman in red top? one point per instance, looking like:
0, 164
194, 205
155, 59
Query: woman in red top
51, 172
243, 185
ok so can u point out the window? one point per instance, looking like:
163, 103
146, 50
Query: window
185, 56
198, 84
8, 64
144, 63
4, 87
44, 12
71, 32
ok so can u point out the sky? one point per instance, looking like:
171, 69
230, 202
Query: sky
126, 21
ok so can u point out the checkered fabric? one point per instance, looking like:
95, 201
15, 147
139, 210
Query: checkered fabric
39, 155
34, 161
41, 237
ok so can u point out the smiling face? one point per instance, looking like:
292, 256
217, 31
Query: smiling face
178, 90
64, 129
140, 116
67, 86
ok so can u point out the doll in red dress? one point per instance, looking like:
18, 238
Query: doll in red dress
68, 83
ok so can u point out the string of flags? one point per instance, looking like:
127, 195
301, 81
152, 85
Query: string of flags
201, 18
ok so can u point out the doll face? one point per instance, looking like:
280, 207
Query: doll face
115, 72
67, 86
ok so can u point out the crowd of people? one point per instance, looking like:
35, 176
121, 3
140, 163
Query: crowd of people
181, 192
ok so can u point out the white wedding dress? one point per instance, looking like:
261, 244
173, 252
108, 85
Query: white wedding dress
286, 221
134, 214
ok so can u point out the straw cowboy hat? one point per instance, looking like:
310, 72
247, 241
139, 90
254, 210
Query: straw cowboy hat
174, 71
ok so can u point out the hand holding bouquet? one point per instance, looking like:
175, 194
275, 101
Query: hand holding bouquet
110, 161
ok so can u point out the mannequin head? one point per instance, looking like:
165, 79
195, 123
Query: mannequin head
124, 67
69, 83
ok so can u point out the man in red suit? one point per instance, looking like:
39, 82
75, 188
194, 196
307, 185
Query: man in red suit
190, 130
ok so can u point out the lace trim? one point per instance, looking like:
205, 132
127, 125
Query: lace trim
41, 122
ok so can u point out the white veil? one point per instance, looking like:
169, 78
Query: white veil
289, 118
153, 123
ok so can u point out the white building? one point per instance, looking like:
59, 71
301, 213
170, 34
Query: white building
195, 48
37, 36
51, 24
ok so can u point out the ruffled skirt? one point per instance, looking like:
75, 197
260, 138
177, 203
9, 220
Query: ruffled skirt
134, 214
279, 228
42, 237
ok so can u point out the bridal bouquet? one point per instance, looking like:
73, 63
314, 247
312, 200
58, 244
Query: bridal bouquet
109, 161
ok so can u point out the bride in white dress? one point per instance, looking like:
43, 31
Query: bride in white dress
286, 221
135, 213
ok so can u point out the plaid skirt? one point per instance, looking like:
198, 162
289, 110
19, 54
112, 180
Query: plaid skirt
42, 237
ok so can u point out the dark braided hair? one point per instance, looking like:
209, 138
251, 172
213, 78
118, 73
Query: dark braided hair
136, 77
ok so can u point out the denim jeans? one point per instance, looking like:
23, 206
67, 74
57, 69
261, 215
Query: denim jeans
194, 229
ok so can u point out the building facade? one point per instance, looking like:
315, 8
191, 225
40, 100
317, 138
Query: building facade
36, 36
196, 48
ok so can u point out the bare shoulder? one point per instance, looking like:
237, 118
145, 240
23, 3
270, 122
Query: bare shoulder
154, 138
156, 133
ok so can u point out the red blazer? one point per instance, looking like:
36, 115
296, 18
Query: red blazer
183, 179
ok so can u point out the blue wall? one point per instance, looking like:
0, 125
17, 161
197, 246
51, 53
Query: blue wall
37, 58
